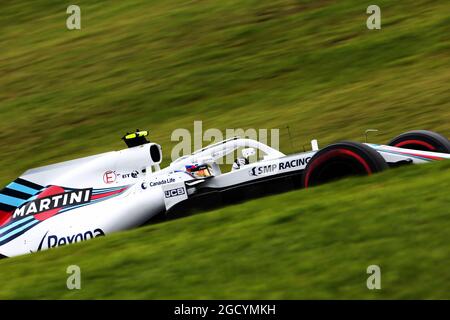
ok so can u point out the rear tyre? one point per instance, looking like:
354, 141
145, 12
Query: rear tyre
422, 140
342, 160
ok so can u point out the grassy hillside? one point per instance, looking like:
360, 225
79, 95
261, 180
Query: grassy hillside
161, 65
318, 244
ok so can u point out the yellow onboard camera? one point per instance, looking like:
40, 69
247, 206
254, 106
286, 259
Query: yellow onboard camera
136, 138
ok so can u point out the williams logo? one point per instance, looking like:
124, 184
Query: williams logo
53, 241
51, 201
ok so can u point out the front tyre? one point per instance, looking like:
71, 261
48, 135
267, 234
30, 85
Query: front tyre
422, 140
342, 160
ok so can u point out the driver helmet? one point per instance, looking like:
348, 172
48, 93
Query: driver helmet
199, 170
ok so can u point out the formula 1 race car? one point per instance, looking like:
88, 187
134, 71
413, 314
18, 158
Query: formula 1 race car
90, 197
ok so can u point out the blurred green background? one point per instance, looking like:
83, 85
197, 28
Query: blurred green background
160, 65
306, 244
312, 65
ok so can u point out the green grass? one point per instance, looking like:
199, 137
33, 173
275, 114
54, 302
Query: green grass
312, 65
317, 245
